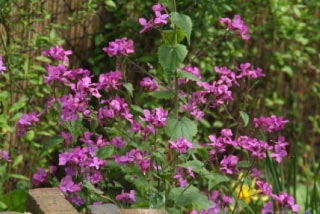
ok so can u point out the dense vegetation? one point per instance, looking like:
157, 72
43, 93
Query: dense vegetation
284, 43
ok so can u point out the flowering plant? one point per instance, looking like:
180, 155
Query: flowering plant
119, 144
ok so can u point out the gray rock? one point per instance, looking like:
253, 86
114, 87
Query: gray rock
103, 209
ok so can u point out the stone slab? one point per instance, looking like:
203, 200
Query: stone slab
48, 201
103, 209
142, 211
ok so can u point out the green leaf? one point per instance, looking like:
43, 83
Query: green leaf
191, 198
196, 165
29, 136
170, 56
162, 94
15, 200
75, 128
86, 184
18, 105
136, 108
183, 22
53, 142
187, 75
105, 152
42, 59
17, 160
129, 88
185, 128
20, 177
203, 153
216, 179
245, 118
169, 37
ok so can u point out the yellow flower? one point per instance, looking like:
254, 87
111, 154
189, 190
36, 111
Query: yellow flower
246, 192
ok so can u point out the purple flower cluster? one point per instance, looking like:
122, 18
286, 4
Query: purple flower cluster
279, 149
141, 159
180, 176
181, 145
25, 121
150, 84
220, 202
2, 67
270, 124
158, 118
58, 53
83, 160
229, 164
160, 19
119, 47
285, 201
236, 25
256, 148
127, 197
247, 70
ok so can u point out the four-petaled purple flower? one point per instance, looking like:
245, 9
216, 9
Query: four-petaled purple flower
160, 19
119, 47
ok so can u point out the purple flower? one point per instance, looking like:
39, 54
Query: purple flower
190, 171
158, 8
270, 124
39, 177
146, 24
181, 145
179, 176
192, 70
68, 186
75, 198
229, 164
119, 47
67, 137
227, 77
58, 53
149, 84
158, 118
128, 197
279, 149
265, 187
286, 201
267, 208
110, 80
161, 19
2, 67
236, 25
248, 71
26, 120
5, 155
118, 142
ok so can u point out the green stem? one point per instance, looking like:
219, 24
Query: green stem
176, 86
